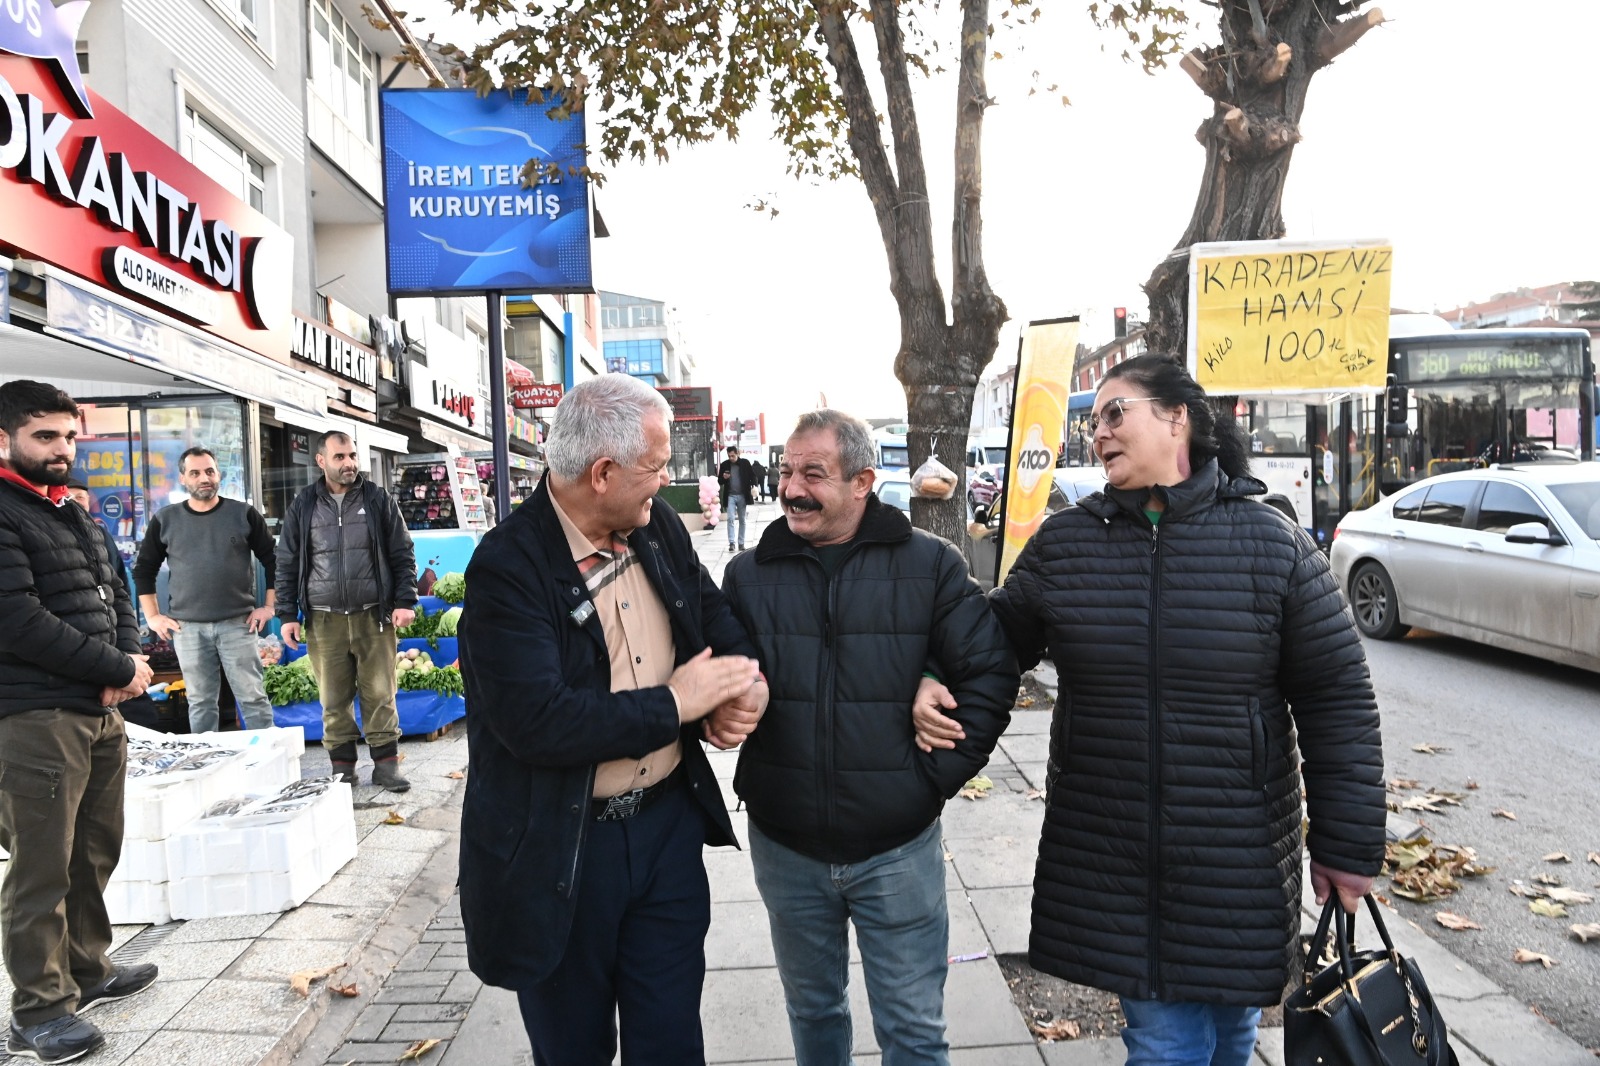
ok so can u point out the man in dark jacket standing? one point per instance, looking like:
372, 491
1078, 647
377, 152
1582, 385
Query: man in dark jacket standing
849, 606
212, 545
68, 656
597, 652
738, 484
347, 569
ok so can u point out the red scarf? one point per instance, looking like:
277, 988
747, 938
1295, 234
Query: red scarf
54, 493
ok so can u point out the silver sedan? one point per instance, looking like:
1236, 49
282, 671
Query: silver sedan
1506, 555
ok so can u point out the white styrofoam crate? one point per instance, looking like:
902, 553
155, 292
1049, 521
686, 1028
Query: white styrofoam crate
269, 769
230, 866
291, 739
223, 895
142, 860
156, 806
138, 903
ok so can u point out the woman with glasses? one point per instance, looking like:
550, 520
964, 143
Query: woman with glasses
1207, 664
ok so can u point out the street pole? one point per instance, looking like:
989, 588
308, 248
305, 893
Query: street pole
497, 402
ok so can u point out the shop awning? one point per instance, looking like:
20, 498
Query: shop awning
98, 318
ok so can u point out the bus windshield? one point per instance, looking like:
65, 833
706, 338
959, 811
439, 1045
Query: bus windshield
1467, 400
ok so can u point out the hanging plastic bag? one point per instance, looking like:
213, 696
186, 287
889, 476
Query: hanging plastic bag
934, 481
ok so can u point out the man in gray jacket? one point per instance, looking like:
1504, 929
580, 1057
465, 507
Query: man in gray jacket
211, 545
347, 580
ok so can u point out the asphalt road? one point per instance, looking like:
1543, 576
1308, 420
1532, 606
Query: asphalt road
1527, 732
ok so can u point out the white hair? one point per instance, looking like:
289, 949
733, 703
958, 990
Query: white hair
599, 418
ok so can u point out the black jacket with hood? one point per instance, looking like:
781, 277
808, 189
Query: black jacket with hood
1207, 663
66, 622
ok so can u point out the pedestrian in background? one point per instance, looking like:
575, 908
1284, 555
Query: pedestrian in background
211, 545
1198, 633
738, 484
597, 653
758, 477
849, 605
68, 654
346, 581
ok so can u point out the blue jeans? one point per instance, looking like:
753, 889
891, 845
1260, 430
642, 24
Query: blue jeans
897, 903
736, 508
1162, 1033
207, 649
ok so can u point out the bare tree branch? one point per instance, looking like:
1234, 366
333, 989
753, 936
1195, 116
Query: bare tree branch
1340, 37
865, 142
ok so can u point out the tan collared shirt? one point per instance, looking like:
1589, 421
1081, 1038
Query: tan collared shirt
638, 639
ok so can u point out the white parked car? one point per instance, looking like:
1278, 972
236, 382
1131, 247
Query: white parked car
1507, 555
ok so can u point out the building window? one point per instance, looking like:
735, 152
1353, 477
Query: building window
219, 155
343, 70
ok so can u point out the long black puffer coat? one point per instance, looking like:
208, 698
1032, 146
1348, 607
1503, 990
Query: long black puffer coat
1191, 653
66, 622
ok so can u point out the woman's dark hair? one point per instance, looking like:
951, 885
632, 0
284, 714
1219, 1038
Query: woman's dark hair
22, 400
1213, 433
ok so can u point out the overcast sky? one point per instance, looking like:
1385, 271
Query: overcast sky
1460, 130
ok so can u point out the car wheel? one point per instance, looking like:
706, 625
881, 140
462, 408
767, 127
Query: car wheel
1375, 605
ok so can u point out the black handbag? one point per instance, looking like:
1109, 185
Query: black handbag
1367, 1008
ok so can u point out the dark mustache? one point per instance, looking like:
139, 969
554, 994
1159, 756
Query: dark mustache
806, 504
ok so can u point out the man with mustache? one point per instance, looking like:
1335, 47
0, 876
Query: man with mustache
346, 566
212, 618
848, 606
68, 656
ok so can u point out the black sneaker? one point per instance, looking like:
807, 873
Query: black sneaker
57, 1040
127, 981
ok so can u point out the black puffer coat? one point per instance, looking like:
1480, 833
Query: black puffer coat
1191, 654
833, 770
66, 622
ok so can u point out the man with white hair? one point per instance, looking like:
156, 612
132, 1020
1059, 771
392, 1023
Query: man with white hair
597, 653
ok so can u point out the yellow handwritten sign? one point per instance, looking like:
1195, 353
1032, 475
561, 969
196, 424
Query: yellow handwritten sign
1289, 315
1038, 419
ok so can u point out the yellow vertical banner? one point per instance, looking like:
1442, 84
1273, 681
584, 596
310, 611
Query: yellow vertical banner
1038, 419
1273, 316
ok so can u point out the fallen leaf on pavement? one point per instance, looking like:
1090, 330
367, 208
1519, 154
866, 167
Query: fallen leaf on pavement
1065, 1029
1548, 879
1455, 921
300, 980
455, 775
1472, 785
394, 818
1587, 932
1035, 793
1517, 888
419, 1048
1558, 856
976, 789
349, 991
1402, 784
1569, 895
1428, 749
1547, 908
1430, 802
1501, 812
1524, 955
1422, 871
1026, 701
1594, 857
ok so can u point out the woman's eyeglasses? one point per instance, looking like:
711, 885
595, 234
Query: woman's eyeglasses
1111, 414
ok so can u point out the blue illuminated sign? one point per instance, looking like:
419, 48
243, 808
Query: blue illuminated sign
458, 217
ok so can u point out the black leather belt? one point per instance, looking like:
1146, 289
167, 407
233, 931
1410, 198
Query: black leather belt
628, 804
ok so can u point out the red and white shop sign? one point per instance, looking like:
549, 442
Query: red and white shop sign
103, 197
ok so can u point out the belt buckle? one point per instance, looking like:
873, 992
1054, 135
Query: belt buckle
622, 806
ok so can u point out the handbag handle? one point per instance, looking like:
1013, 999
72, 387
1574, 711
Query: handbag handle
1343, 924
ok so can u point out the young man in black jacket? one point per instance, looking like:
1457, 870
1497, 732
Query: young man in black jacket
597, 654
347, 580
68, 656
849, 606
738, 484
